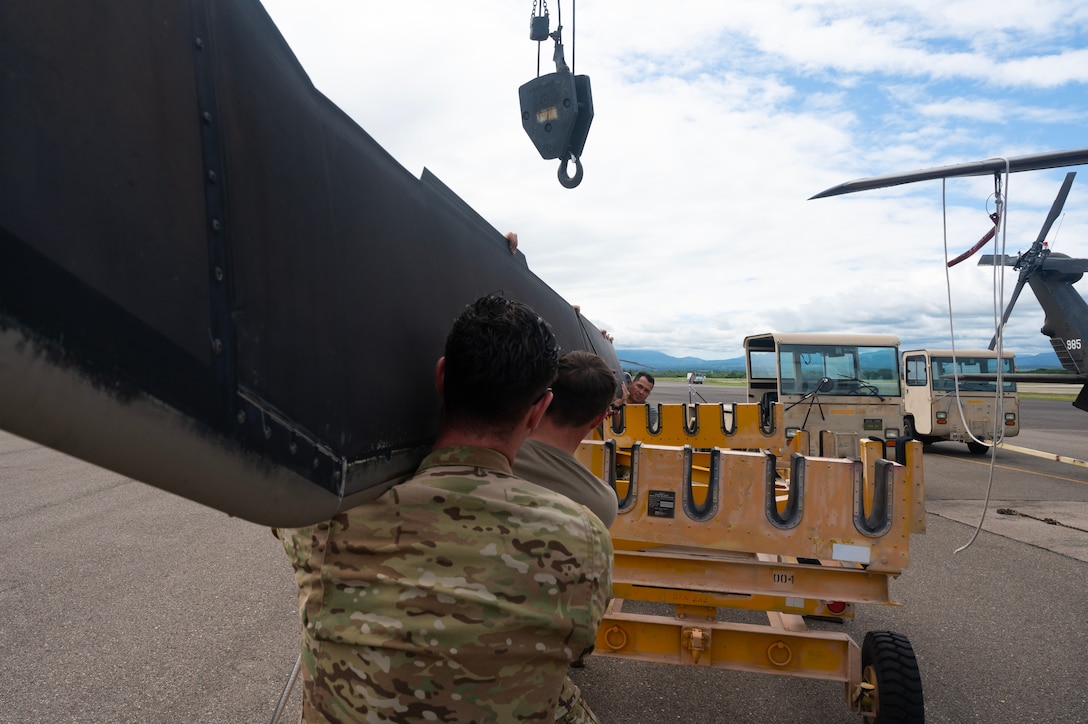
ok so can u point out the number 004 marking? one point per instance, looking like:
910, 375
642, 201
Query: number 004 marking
782, 579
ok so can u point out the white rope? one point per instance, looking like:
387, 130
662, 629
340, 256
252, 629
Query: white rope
1001, 207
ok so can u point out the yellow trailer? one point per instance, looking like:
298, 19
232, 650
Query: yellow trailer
719, 512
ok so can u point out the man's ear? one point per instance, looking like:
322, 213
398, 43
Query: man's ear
440, 375
536, 412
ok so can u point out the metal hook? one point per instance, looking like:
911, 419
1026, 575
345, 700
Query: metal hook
570, 182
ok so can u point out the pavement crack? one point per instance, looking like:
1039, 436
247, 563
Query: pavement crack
1048, 521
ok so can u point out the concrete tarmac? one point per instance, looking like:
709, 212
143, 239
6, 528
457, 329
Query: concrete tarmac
122, 603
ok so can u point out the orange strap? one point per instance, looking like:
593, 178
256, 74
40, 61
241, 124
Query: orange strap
994, 217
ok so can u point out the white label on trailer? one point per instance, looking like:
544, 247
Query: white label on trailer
846, 552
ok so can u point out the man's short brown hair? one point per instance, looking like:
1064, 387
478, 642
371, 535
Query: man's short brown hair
584, 389
500, 358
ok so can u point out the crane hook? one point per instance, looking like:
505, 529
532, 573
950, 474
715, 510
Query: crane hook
570, 182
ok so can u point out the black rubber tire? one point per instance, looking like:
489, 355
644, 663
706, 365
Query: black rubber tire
978, 448
909, 430
888, 663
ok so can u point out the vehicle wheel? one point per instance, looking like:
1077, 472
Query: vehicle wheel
909, 430
889, 674
978, 448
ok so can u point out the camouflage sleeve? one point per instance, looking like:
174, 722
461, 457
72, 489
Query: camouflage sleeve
460, 597
572, 708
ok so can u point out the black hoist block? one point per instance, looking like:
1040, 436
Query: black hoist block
549, 109
556, 112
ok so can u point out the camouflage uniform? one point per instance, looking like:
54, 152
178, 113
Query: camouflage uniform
461, 595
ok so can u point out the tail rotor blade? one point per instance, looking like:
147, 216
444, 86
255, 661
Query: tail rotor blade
992, 260
1008, 309
1056, 207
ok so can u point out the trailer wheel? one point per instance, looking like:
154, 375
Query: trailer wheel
893, 686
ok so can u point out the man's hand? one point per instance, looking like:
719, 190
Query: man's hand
623, 398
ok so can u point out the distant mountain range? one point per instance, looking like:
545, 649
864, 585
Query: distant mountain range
645, 359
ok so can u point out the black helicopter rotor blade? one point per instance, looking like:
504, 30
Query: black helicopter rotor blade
1012, 302
1056, 207
991, 260
1030, 162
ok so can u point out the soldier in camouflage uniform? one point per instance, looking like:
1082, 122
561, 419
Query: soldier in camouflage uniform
463, 594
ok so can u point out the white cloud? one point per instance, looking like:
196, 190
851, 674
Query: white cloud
714, 123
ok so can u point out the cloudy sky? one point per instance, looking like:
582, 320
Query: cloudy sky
714, 123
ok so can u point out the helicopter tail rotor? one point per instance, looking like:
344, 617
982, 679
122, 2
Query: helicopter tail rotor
1032, 259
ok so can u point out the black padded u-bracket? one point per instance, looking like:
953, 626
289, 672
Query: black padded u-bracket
709, 507
790, 516
627, 502
878, 520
